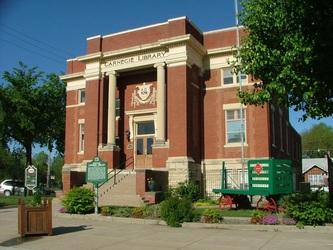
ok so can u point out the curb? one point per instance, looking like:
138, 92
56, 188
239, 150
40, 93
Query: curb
228, 224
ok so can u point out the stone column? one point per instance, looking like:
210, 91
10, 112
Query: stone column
161, 103
112, 108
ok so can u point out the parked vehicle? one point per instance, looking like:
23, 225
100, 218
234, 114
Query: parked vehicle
12, 187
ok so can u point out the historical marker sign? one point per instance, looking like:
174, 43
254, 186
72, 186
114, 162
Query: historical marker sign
97, 171
31, 177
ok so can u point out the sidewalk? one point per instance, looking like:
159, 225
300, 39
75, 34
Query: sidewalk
99, 232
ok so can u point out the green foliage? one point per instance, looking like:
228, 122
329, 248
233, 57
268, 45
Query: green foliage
309, 209
205, 202
106, 211
139, 212
29, 105
319, 136
123, 212
288, 53
79, 200
175, 210
212, 215
257, 215
188, 190
37, 199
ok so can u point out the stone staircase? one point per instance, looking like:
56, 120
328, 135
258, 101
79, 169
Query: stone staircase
121, 193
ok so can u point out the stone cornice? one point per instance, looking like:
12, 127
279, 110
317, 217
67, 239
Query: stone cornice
71, 76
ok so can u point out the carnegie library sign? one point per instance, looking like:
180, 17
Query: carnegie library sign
137, 58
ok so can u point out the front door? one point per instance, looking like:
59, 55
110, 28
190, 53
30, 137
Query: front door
144, 152
144, 140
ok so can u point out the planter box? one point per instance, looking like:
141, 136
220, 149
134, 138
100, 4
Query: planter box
35, 220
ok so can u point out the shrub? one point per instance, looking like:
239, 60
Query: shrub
175, 210
153, 211
106, 211
256, 216
37, 198
139, 212
309, 209
188, 190
212, 215
123, 212
79, 200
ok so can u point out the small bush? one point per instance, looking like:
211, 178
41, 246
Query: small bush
139, 212
153, 212
106, 211
188, 190
123, 212
79, 200
309, 209
212, 216
37, 198
175, 211
256, 216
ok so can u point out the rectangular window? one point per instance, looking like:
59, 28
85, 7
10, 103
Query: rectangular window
228, 77
81, 143
82, 96
146, 128
235, 126
118, 107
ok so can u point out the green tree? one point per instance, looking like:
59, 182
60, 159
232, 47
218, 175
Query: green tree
40, 161
33, 109
319, 136
56, 170
288, 46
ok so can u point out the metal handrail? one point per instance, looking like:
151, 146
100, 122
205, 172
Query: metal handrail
114, 176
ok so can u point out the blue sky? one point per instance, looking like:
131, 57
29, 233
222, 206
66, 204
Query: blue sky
45, 33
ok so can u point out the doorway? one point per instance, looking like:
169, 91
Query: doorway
144, 139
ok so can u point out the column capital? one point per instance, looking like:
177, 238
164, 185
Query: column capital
156, 65
112, 73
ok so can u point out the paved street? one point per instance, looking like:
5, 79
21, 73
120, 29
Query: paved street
96, 232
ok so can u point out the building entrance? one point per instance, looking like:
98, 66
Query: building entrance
144, 140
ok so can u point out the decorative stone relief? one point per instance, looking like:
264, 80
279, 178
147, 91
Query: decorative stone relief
143, 95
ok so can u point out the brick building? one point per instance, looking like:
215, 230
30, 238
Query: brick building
162, 102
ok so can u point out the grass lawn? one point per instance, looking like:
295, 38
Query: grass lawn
13, 200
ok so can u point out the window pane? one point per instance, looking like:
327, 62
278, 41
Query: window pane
243, 78
118, 107
139, 147
146, 128
234, 126
82, 95
227, 76
150, 142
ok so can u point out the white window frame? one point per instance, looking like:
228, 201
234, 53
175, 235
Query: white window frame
235, 82
81, 136
236, 108
81, 96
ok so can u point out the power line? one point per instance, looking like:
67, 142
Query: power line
33, 45
31, 51
45, 44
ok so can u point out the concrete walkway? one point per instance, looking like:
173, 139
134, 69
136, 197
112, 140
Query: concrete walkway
98, 232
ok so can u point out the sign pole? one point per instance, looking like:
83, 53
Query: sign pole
97, 173
96, 198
